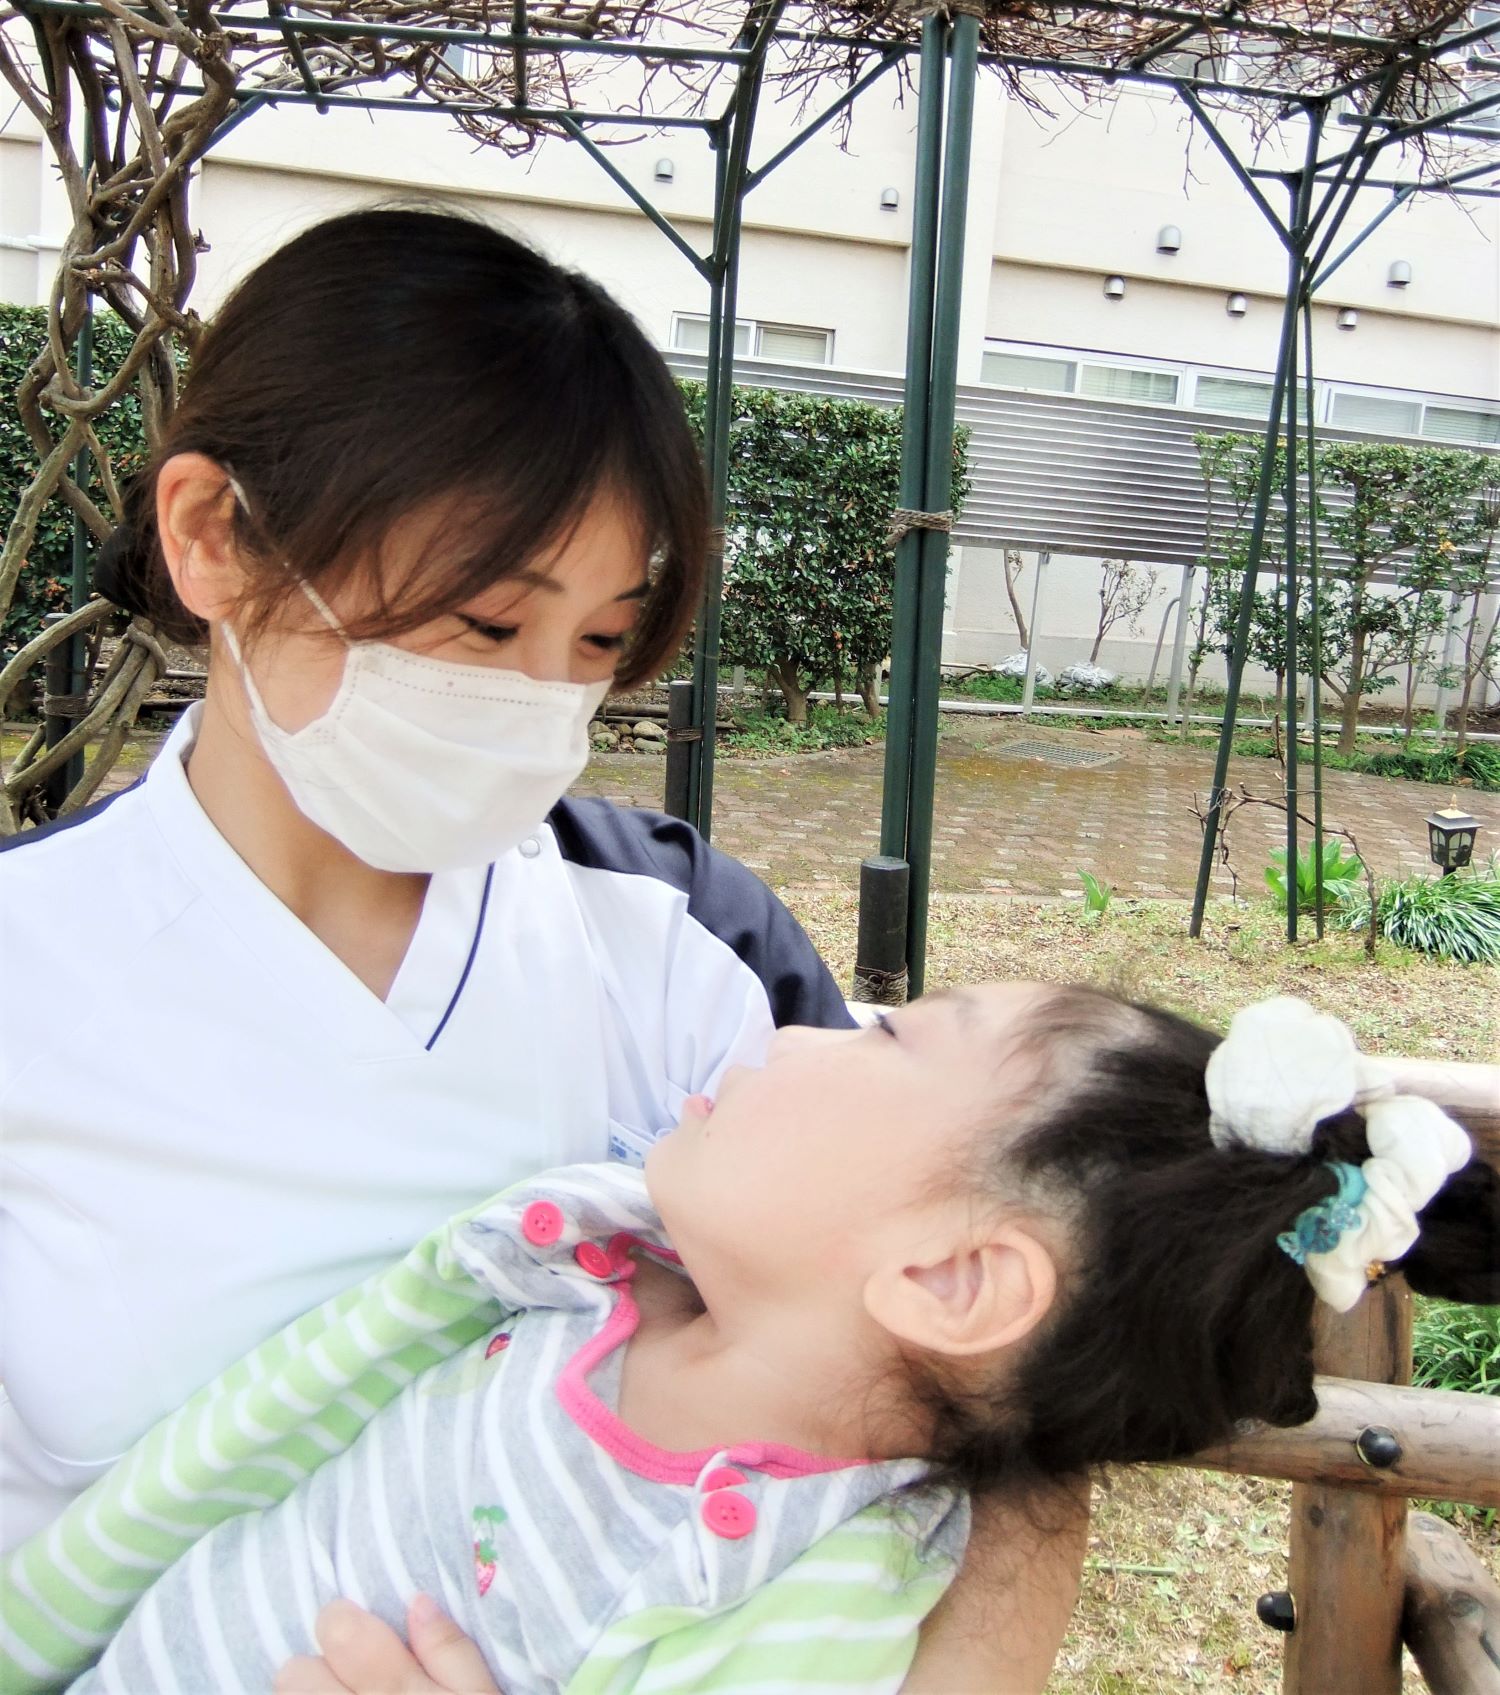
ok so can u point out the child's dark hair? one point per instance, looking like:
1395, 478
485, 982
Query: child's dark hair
391, 358
1177, 1313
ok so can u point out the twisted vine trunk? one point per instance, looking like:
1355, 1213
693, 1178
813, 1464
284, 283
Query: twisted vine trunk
128, 247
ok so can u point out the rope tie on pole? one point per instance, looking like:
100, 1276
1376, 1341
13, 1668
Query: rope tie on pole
880, 988
905, 519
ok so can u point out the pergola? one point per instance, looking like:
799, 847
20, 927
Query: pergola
1305, 100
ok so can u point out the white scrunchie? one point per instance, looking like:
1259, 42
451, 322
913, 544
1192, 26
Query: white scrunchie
1282, 1068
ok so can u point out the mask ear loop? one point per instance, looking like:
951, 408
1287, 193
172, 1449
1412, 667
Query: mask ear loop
320, 606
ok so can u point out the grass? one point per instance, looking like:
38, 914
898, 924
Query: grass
1477, 767
1193, 1626
756, 734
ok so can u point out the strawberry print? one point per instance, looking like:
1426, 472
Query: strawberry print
487, 1520
498, 1345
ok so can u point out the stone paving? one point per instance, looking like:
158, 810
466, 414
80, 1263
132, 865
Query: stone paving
1017, 825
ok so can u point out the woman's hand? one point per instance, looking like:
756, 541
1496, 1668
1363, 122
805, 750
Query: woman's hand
363, 1656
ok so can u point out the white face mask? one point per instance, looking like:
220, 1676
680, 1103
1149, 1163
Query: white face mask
423, 765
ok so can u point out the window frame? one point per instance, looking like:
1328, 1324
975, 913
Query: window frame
1188, 374
755, 328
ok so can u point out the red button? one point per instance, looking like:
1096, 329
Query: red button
542, 1224
594, 1260
722, 1477
498, 1345
729, 1515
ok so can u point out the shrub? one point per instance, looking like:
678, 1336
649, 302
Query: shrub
1338, 869
808, 574
44, 584
1455, 917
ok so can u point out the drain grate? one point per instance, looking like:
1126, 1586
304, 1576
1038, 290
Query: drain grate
1057, 753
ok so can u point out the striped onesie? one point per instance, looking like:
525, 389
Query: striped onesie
579, 1556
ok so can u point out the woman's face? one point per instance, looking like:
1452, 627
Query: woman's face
563, 620
793, 1168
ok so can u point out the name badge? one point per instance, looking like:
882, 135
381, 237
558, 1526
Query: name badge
630, 1146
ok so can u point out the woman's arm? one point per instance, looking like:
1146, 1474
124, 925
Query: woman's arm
998, 1629
995, 1632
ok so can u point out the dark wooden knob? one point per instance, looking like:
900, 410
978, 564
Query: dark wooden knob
1378, 1446
1277, 1610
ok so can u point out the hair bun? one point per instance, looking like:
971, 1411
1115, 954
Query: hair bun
1457, 1256
122, 569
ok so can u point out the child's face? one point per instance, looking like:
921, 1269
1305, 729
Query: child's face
799, 1168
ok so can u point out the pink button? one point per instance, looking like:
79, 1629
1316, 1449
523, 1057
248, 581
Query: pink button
498, 1345
594, 1260
722, 1477
729, 1515
542, 1224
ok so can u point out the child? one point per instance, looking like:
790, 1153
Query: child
1009, 1232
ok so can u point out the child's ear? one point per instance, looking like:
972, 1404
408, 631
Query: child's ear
985, 1295
194, 505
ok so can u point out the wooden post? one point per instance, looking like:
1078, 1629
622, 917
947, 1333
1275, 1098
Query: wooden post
1452, 1622
1347, 1573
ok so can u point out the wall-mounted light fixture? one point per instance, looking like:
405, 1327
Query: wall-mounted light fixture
1236, 305
890, 199
1399, 274
665, 170
1114, 288
1348, 318
1168, 239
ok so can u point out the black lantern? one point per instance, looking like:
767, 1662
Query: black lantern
1450, 837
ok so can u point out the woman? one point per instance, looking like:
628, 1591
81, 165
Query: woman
344, 962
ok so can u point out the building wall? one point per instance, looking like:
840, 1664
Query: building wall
1054, 207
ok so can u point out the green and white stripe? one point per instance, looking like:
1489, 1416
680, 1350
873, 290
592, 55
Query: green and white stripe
244, 1441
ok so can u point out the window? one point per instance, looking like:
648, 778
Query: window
1024, 370
1460, 424
1243, 397
787, 341
1119, 382
1381, 414
691, 334
796, 344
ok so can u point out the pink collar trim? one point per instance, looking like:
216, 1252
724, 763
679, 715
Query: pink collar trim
619, 1441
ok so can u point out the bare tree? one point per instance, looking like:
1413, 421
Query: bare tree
1013, 565
1125, 591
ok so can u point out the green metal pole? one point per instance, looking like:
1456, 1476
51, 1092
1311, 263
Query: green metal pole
919, 315
1241, 642
1289, 588
717, 494
933, 544
1314, 592
728, 223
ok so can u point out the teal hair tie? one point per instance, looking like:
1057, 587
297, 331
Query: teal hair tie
1318, 1229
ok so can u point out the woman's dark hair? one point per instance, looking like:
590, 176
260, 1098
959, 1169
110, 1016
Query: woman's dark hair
1178, 1315
388, 359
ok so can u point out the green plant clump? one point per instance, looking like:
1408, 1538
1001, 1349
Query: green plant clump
762, 733
1096, 895
1456, 1347
1477, 766
1339, 869
1455, 917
